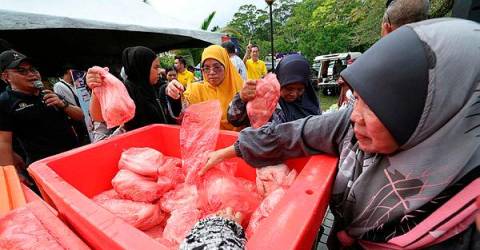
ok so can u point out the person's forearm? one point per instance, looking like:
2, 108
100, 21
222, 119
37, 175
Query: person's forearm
95, 109
246, 57
74, 112
228, 152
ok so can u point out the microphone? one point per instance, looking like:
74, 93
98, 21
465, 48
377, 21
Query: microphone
39, 85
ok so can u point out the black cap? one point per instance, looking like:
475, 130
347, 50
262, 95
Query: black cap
10, 59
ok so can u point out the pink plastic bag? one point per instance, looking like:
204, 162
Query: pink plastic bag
264, 210
221, 190
136, 187
180, 223
107, 195
261, 108
20, 229
182, 196
155, 232
272, 177
138, 214
170, 172
117, 106
142, 161
198, 136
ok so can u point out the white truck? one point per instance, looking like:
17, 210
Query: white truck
327, 68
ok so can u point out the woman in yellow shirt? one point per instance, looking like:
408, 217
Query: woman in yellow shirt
221, 82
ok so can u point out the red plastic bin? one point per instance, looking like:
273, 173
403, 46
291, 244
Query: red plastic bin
70, 179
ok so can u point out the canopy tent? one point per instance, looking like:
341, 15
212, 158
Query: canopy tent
88, 32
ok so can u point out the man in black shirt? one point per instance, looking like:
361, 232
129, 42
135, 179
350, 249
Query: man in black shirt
38, 118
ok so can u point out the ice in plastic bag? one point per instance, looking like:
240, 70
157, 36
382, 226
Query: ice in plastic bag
198, 136
180, 223
261, 108
116, 105
170, 172
20, 229
182, 196
264, 210
138, 214
142, 161
272, 177
221, 190
132, 186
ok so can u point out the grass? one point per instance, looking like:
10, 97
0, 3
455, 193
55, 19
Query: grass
326, 101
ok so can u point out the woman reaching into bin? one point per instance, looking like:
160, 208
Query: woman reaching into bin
297, 96
409, 144
222, 82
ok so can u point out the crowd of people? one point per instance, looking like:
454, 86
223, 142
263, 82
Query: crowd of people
407, 128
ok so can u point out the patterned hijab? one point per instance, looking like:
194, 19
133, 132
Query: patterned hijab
422, 82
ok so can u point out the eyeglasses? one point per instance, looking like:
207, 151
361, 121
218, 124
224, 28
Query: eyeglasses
25, 71
294, 91
216, 69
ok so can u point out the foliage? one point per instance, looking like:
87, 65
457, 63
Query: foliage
440, 8
166, 59
315, 27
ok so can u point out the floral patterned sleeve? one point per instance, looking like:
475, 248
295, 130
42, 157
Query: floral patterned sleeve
237, 112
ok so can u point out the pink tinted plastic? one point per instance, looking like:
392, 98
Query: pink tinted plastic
182, 196
198, 136
138, 214
19, 229
35, 226
222, 190
264, 210
261, 108
170, 172
66, 180
272, 177
180, 223
136, 187
117, 106
142, 161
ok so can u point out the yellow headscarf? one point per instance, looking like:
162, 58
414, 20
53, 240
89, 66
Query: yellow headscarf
232, 83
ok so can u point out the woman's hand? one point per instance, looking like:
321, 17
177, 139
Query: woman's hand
216, 157
248, 91
94, 78
229, 214
174, 89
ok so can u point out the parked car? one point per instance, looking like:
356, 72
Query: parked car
326, 70
268, 62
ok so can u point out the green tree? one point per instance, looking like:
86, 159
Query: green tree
316, 27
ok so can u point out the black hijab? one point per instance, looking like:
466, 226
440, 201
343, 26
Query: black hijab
137, 62
397, 93
293, 69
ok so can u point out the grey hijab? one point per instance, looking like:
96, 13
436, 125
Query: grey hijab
422, 82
